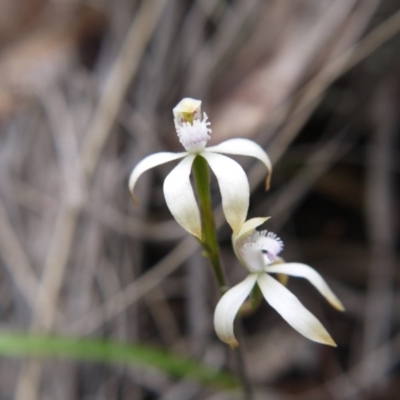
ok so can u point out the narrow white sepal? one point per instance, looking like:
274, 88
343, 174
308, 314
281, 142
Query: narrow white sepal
180, 198
244, 147
292, 311
234, 187
305, 271
149, 162
228, 307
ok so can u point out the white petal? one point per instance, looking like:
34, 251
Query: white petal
228, 307
249, 226
304, 271
292, 311
149, 162
180, 198
234, 187
244, 147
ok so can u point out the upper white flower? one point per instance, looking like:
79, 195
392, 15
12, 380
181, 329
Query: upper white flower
258, 252
194, 133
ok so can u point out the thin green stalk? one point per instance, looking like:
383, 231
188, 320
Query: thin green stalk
210, 244
209, 239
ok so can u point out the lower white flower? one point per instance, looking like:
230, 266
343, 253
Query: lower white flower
257, 251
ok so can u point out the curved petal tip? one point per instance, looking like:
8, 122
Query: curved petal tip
268, 181
233, 345
135, 200
292, 311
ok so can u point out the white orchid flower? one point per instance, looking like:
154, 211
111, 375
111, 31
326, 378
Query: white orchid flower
258, 251
194, 133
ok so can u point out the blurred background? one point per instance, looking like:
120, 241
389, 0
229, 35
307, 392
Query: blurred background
87, 89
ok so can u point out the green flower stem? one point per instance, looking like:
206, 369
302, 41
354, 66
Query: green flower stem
210, 244
209, 240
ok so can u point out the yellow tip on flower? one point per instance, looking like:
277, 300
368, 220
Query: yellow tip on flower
338, 305
135, 200
234, 344
268, 181
328, 341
